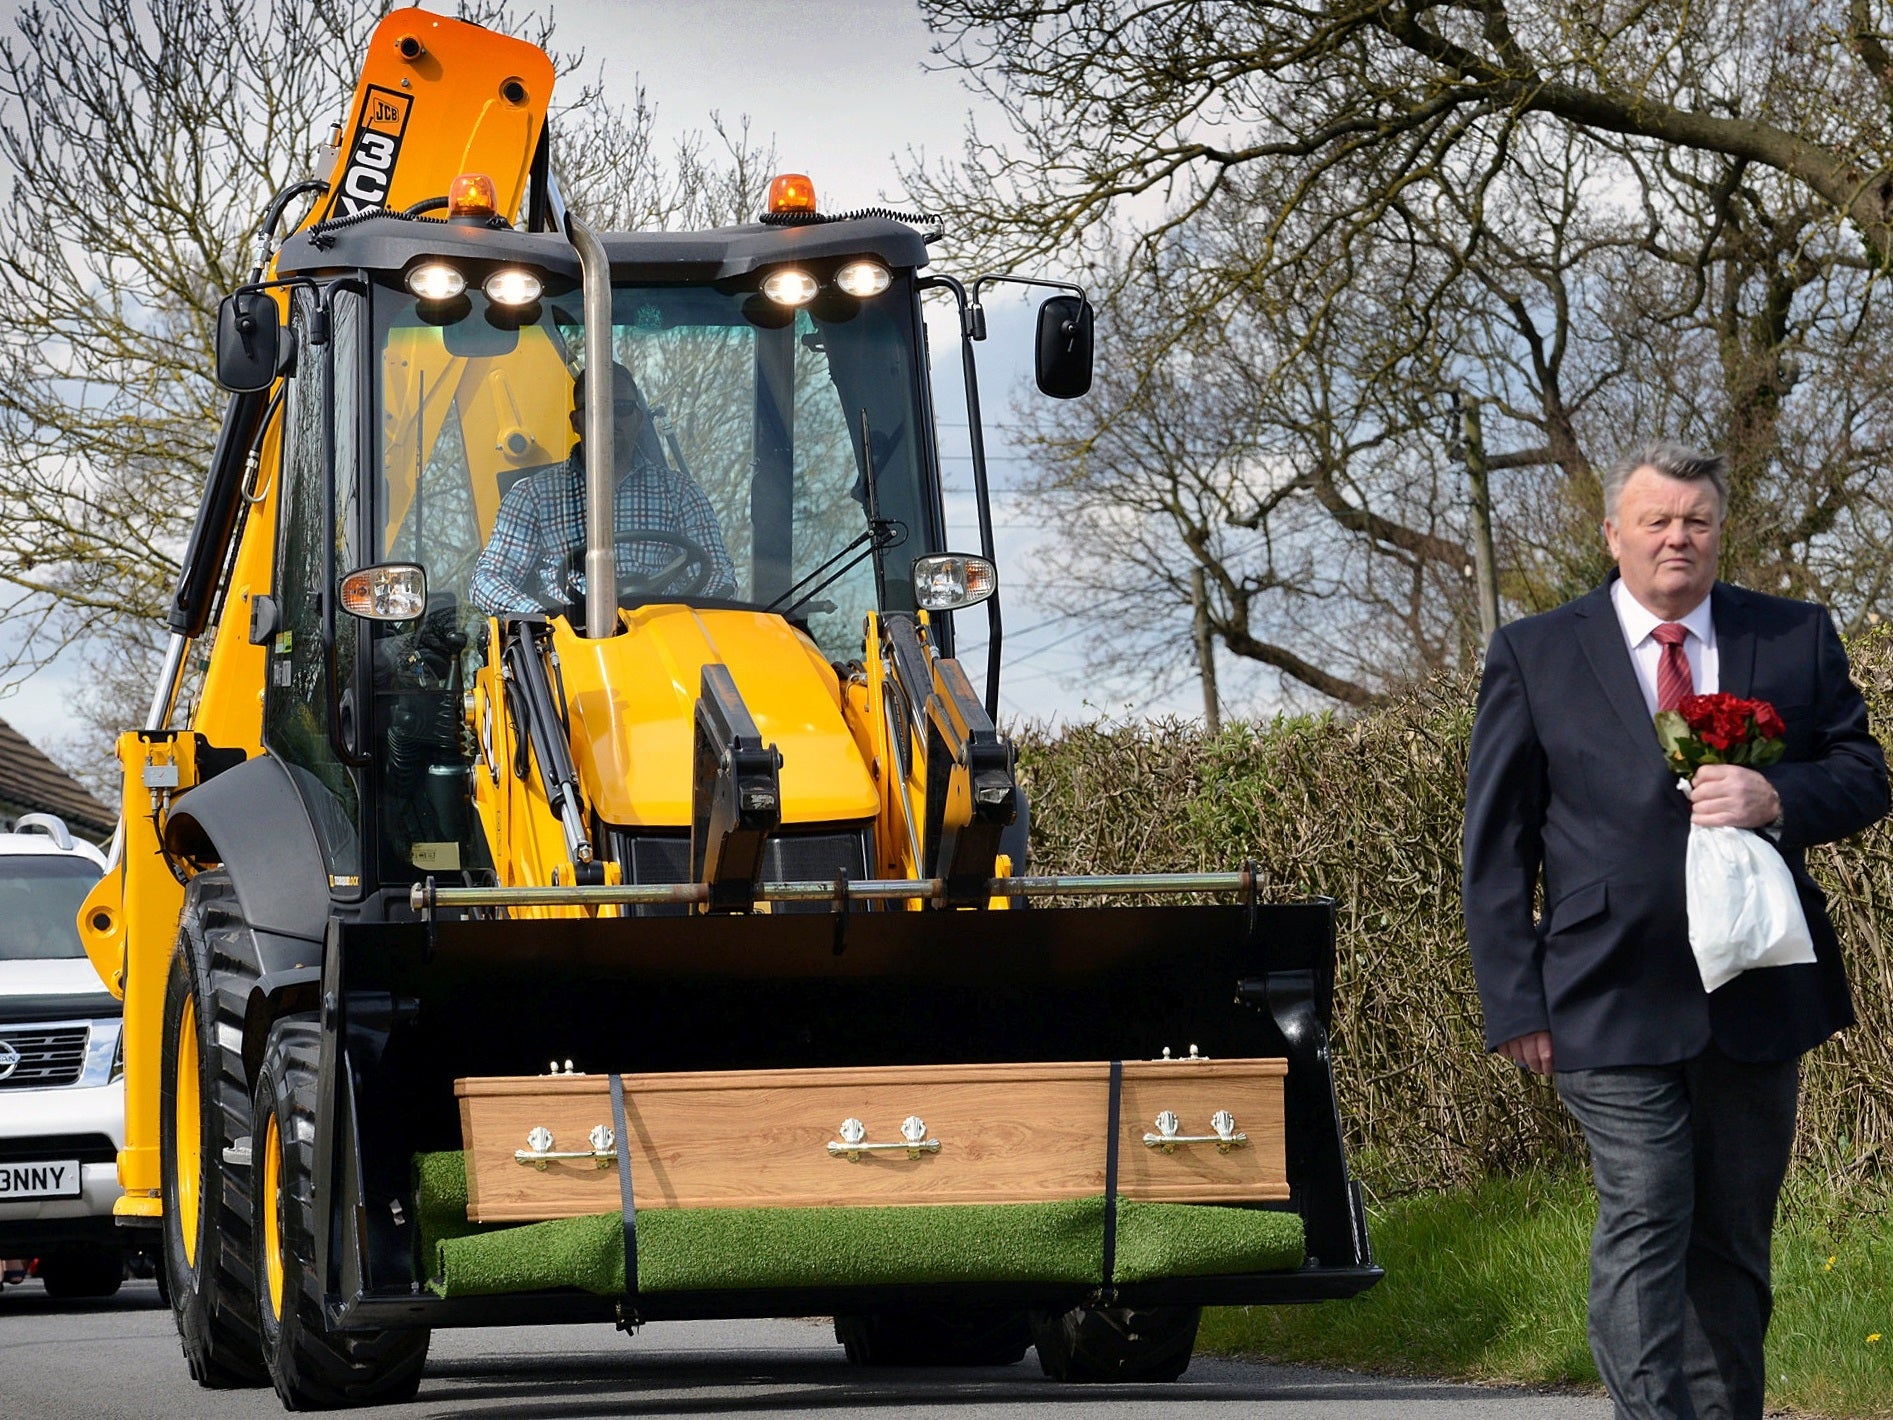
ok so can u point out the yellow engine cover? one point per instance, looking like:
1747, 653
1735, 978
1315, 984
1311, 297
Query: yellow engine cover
632, 700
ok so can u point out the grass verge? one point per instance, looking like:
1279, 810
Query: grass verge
1488, 1284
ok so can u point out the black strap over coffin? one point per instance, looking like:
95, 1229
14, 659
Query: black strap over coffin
626, 1201
1110, 1177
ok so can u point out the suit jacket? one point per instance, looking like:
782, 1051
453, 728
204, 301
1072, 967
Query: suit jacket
1567, 790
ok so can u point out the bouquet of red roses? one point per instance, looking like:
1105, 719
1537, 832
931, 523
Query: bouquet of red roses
1719, 729
1744, 909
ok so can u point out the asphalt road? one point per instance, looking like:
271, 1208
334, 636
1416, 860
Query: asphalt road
105, 1360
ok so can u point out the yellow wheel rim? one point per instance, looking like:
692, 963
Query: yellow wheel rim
272, 1203
189, 1132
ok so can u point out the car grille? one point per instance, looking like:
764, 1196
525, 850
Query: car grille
49, 1055
86, 1148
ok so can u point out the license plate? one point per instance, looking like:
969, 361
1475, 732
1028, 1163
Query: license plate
56, 1178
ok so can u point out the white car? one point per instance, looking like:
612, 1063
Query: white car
62, 1091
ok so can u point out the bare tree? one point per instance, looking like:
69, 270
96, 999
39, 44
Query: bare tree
1321, 226
1132, 97
143, 139
1313, 495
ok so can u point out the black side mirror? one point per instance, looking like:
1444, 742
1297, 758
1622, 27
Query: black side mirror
249, 342
1064, 347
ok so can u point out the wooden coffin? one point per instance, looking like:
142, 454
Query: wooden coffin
810, 1138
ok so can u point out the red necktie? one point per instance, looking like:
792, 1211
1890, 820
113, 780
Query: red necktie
1673, 678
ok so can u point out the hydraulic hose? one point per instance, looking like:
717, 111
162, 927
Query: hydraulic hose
545, 732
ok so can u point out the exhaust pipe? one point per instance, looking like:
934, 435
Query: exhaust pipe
601, 567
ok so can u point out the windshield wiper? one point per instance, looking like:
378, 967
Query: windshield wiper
879, 535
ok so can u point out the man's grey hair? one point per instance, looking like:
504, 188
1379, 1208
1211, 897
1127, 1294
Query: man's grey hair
1672, 461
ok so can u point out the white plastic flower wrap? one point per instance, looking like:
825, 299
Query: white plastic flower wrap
1744, 912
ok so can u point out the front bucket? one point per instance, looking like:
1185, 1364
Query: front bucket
423, 1005
863, 988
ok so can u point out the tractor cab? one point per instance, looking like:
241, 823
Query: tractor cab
775, 486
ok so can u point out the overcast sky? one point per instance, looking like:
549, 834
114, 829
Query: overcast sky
844, 91
840, 86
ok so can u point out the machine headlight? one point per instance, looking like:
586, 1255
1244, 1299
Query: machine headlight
512, 287
863, 278
951, 580
388, 591
789, 286
436, 281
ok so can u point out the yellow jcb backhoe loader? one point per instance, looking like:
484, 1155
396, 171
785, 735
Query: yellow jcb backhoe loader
584, 885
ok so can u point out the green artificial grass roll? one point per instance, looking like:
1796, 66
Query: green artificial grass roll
711, 1249
440, 1199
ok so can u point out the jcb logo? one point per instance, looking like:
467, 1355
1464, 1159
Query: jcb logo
368, 174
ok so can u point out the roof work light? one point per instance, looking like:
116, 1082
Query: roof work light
436, 281
863, 279
512, 286
789, 286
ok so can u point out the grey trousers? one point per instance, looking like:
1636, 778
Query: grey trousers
1688, 1161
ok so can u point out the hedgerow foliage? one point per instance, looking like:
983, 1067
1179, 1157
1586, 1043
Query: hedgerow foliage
1367, 810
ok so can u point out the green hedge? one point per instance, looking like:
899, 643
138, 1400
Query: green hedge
1367, 810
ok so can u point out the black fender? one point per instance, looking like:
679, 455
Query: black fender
251, 819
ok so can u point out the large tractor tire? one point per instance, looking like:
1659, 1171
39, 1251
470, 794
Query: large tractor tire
934, 1337
1115, 1343
204, 1111
313, 1368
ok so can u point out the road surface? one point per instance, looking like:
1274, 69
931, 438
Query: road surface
119, 1358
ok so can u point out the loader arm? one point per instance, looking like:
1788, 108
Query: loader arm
972, 796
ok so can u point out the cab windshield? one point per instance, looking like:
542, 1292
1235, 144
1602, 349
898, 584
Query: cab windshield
765, 457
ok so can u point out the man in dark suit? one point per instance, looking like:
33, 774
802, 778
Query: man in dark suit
1687, 1098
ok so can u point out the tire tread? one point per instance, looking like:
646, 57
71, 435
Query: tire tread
313, 1367
215, 1310
1124, 1344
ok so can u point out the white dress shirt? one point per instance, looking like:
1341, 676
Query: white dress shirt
1638, 621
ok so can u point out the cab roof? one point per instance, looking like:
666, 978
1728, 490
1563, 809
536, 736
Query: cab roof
390, 243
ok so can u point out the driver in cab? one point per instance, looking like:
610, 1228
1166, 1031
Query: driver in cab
666, 535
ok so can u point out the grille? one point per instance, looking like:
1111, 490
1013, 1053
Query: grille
788, 856
86, 1148
48, 1056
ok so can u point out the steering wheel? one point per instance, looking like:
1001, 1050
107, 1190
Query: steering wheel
688, 555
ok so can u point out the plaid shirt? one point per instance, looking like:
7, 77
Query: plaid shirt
534, 561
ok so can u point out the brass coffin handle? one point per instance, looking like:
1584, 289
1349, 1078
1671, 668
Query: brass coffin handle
1223, 1122
854, 1134
539, 1151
